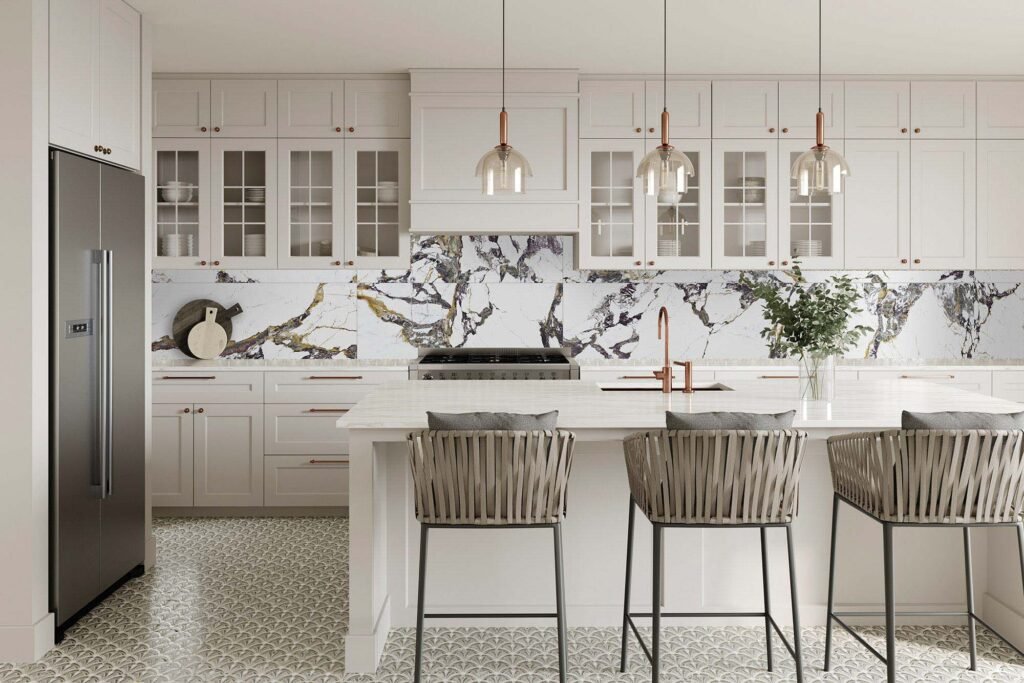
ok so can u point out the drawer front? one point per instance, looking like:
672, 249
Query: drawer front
328, 386
207, 387
632, 374
785, 378
978, 381
305, 480
303, 428
1008, 384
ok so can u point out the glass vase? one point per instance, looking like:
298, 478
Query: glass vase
817, 377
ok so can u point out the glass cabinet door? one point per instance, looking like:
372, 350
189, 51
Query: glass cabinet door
377, 203
245, 203
679, 235
611, 205
181, 169
745, 222
810, 228
311, 185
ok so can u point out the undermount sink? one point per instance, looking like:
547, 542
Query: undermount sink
712, 386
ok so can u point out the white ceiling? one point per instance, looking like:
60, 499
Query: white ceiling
595, 36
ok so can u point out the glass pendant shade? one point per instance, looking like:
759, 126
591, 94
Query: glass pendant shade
503, 170
820, 169
665, 173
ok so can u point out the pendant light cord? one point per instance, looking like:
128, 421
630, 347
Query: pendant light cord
819, 54
664, 57
503, 57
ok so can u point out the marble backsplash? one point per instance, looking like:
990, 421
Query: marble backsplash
524, 291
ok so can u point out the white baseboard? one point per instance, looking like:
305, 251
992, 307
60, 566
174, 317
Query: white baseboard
363, 651
1008, 621
26, 644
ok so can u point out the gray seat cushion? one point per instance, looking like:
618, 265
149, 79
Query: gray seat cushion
515, 422
745, 421
962, 420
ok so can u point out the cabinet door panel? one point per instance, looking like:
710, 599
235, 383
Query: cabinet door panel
798, 103
377, 203
309, 428
679, 235
877, 109
170, 464
811, 229
745, 109
942, 209
689, 104
244, 203
611, 205
300, 480
181, 108
74, 74
942, 109
311, 188
745, 194
311, 109
182, 211
1000, 204
612, 109
377, 109
244, 108
1001, 110
229, 455
878, 204
120, 87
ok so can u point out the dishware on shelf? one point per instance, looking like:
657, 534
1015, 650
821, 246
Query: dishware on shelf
668, 246
255, 245
755, 248
255, 195
325, 248
387, 192
807, 248
177, 245
176, 192
753, 189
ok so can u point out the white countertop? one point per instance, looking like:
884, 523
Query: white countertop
258, 364
582, 405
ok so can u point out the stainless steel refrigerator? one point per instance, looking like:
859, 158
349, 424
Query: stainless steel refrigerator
97, 375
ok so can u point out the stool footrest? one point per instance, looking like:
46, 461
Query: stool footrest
493, 615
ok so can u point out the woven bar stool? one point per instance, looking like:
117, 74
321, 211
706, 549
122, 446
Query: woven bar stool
713, 479
491, 480
925, 478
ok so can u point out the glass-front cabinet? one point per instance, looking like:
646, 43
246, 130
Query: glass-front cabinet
244, 210
181, 170
377, 203
810, 228
745, 216
311, 182
621, 228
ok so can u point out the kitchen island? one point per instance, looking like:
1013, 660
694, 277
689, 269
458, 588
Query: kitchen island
705, 570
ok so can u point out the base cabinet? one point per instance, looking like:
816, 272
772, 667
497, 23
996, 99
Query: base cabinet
228, 455
302, 480
170, 464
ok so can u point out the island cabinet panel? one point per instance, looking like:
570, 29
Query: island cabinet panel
228, 455
170, 463
976, 381
1008, 384
1001, 110
301, 480
295, 428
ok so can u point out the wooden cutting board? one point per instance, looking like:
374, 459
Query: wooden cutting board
207, 339
194, 312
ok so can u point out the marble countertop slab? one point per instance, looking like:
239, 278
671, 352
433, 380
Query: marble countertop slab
584, 406
862, 363
280, 364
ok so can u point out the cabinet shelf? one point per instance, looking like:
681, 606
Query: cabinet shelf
161, 203
755, 204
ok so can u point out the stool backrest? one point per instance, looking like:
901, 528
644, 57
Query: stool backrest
490, 477
931, 475
715, 476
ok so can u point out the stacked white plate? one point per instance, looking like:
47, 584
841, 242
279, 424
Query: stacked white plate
807, 248
667, 246
255, 245
255, 195
177, 245
755, 248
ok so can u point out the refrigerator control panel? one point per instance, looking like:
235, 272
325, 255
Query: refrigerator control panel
77, 328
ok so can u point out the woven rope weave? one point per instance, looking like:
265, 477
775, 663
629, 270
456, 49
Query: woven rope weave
931, 476
490, 477
715, 476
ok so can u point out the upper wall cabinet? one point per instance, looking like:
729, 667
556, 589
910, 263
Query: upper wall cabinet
632, 109
1000, 202
243, 108
877, 109
95, 79
878, 204
942, 110
1000, 110
311, 109
689, 104
745, 109
798, 103
942, 204
377, 108
745, 225
181, 108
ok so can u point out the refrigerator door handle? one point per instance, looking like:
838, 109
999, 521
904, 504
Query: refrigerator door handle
100, 259
108, 365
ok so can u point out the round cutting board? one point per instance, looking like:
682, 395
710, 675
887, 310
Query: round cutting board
192, 313
207, 339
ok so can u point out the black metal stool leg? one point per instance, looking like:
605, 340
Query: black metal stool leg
420, 601
767, 598
831, 585
797, 653
656, 605
969, 573
1020, 548
563, 652
890, 605
629, 578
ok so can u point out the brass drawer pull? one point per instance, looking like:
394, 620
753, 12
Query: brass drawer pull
650, 376
778, 377
927, 376
328, 462
327, 410
192, 377
335, 377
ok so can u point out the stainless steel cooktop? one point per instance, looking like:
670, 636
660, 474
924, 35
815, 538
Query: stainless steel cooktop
494, 363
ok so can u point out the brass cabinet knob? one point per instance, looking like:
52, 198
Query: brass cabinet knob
216, 129
199, 410
188, 410
639, 130
917, 130
785, 130
351, 263
917, 260
771, 130
351, 129
650, 130
771, 263
216, 263
903, 130
638, 263
785, 263
203, 129
97, 148
338, 129
108, 151
337, 263
650, 263
202, 263
903, 260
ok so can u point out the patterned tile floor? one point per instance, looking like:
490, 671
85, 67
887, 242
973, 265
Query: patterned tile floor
257, 600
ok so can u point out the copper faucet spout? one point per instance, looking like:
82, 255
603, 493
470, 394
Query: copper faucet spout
665, 375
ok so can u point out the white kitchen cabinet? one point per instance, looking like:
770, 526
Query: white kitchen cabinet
182, 176
228, 463
301, 480
171, 460
977, 381
745, 109
244, 207
942, 110
1000, 204
244, 108
311, 108
612, 109
311, 189
942, 204
305, 428
181, 108
877, 224
678, 236
689, 106
877, 110
95, 79
811, 229
1008, 384
207, 386
1000, 110
377, 108
798, 104
327, 385
377, 203
745, 195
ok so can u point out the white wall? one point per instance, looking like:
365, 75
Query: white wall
26, 627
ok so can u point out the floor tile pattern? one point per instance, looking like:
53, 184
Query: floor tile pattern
264, 600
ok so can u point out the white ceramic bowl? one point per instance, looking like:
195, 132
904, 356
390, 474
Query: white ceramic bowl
176, 192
